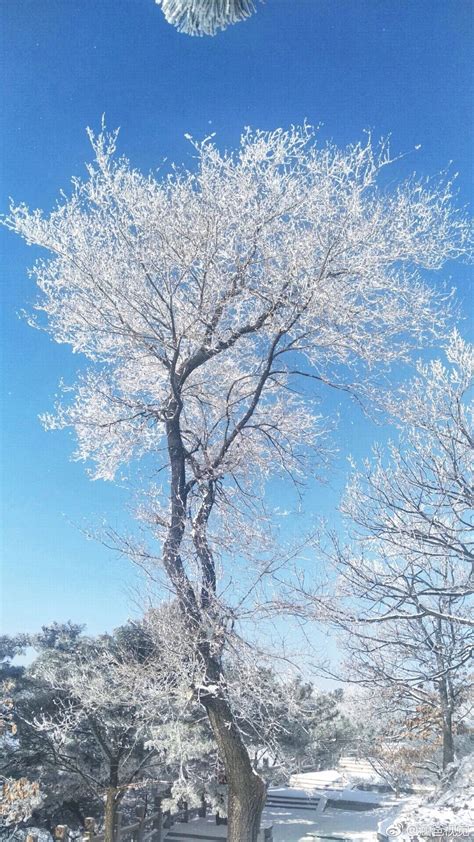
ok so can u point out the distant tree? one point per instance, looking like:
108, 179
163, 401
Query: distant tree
287, 724
57, 637
424, 666
207, 303
205, 17
403, 738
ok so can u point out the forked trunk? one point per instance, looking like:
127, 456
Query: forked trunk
246, 793
246, 789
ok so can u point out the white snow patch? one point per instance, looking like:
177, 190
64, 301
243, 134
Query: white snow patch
448, 811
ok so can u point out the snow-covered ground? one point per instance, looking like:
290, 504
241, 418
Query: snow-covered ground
359, 796
199, 829
293, 825
451, 805
350, 772
317, 780
308, 819
448, 811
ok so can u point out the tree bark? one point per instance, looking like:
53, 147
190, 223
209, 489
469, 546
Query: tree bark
446, 712
448, 742
246, 789
111, 803
446, 700
110, 814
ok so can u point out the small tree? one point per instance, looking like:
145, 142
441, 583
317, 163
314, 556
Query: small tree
204, 301
398, 751
426, 692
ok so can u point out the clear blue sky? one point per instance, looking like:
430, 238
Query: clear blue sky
394, 66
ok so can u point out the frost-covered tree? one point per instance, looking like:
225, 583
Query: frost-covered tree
19, 796
447, 810
420, 672
283, 722
207, 301
286, 723
405, 580
84, 713
413, 506
400, 750
205, 17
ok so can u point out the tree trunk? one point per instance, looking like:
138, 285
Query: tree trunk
245, 805
448, 742
111, 802
110, 814
446, 702
246, 789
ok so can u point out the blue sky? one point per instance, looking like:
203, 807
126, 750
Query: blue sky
393, 66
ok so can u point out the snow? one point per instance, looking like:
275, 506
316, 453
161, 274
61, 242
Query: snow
336, 794
297, 824
450, 806
361, 796
328, 775
293, 825
308, 824
349, 773
293, 792
317, 780
204, 829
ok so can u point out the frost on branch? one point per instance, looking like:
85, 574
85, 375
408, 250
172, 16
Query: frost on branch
263, 266
404, 581
205, 17
412, 508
